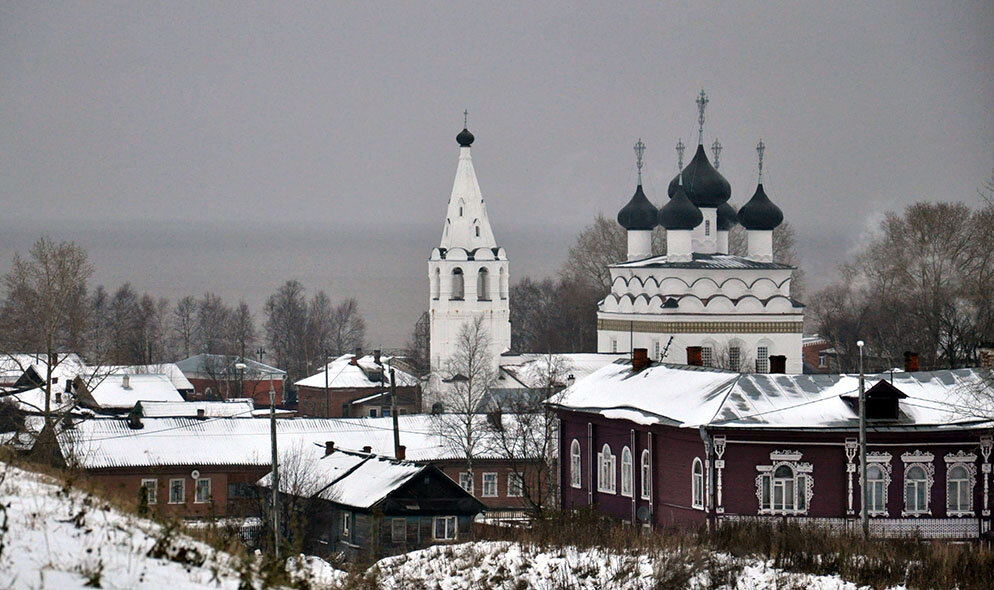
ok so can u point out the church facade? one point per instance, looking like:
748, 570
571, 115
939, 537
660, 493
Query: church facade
468, 272
736, 312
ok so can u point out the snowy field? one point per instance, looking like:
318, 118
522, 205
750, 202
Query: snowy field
54, 537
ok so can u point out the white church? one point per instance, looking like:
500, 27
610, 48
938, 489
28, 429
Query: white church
697, 304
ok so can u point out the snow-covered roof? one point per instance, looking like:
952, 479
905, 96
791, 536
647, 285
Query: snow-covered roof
110, 442
704, 261
354, 479
110, 392
342, 374
696, 396
530, 370
13, 365
170, 370
219, 365
33, 400
239, 408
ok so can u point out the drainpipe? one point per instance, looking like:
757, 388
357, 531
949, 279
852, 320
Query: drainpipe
635, 494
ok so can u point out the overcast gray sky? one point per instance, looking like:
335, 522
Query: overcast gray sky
328, 117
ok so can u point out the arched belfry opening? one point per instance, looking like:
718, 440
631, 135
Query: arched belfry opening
436, 282
483, 285
458, 286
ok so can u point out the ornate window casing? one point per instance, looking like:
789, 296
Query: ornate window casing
627, 489
697, 484
575, 474
878, 471
646, 479
607, 473
786, 486
961, 476
919, 475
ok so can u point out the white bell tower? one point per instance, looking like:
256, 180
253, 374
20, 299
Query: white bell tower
468, 272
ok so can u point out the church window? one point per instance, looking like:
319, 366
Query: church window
961, 474
626, 472
607, 474
707, 356
457, 284
646, 476
575, 475
477, 231
734, 357
483, 285
614, 345
460, 210
697, 484
763, 359
655, 349
707, 227
786, 486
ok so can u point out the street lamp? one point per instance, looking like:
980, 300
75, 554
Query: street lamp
241, 385
864, 513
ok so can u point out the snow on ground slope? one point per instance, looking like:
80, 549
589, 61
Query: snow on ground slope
511, 565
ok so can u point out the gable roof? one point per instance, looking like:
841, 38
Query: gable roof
342, 374
14, 365
171, 370
223, 366
110, 392
698, 396
235, 408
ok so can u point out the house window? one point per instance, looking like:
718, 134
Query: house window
444, 528
917, 487
385, 412
614, 345
177, 491
786, 486
734, 357
762, 359
606, 480
346, 525
655, 349
707, 356
151, 487
466, 481
489, 485
398, 530
961, 474
823, 360
697, 484
646, 476
575, 475
515, 485
626, 472
877, 479
203, 491
372, 412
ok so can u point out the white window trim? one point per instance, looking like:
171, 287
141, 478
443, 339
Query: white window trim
153, 492
969, 462
575, 465
607, 473
455, 528
763, 358
697, 484
627, 473
511, 478
393, 530
347, 525
496, 488
881, 460
466, 476
196, 491
803, 482
923, 460
645, 472
182, 487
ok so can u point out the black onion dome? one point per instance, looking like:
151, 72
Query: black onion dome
760, 212
704, 185
639, 213
465, 138
727, 218
680, 213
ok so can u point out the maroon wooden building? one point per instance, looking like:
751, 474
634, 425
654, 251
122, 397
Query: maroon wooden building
671, 445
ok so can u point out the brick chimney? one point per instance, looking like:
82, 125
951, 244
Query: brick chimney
367, 449
640, 359
694, 356
401, 452
357, 355
126, 381
201, 414
778, 363
329, 447
910, 361
376, 356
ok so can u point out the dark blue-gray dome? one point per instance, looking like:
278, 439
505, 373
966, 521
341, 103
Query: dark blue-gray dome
639, 213
760, 212
705, 187
465, 138
727, 218
680, 213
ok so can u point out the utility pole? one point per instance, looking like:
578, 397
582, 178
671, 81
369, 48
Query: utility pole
864, 513
393, 412
276, 476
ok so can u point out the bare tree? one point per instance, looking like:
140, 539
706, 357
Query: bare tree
525, 432
348, 327
468, 376
554, 315
602, 243
320, 331
784, 252
211, 330
242, 329
184, 324
286, 324
419, 345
